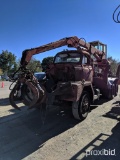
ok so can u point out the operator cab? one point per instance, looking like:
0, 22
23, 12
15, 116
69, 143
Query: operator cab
100, 46
99, 69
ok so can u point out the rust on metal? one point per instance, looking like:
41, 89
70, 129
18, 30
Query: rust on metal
73, 72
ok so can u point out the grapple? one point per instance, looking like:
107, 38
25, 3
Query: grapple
27, 90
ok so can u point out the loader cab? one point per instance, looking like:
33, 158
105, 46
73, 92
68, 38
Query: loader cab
100, 46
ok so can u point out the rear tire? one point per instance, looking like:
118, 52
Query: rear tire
80, 109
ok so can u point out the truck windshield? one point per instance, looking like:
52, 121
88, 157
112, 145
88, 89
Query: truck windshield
67, 57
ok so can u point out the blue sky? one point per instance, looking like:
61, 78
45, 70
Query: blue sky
30, 23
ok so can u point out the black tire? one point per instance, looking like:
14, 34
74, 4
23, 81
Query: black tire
84, 105
81, 108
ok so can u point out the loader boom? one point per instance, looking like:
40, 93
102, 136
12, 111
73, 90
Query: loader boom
69, 41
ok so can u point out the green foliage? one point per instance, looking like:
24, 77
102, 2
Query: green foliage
114, 64
1, 72
45, 62
8, 62
34, 65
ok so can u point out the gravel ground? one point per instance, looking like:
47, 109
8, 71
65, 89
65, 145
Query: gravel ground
28, 134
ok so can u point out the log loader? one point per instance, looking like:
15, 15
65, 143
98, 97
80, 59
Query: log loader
78, 76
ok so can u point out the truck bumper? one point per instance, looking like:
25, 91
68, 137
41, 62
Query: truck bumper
69, 91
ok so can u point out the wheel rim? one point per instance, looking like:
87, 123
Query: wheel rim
85, 105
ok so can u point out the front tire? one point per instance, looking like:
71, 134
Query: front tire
80, 109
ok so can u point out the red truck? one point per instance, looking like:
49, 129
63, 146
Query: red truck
78, 76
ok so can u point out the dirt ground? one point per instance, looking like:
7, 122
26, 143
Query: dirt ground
56, 135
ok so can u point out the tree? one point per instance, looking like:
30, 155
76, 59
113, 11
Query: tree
45, 62
34, 65
1, 72
114, 64
8, 62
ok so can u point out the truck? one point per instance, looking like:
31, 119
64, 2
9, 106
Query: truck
78, 76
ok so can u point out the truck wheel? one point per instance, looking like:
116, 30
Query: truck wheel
81, 108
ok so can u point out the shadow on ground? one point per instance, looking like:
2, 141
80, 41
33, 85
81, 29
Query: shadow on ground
103, 147
107, 146
114, 113
4, 102
24, 132
99, 102
20, 137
